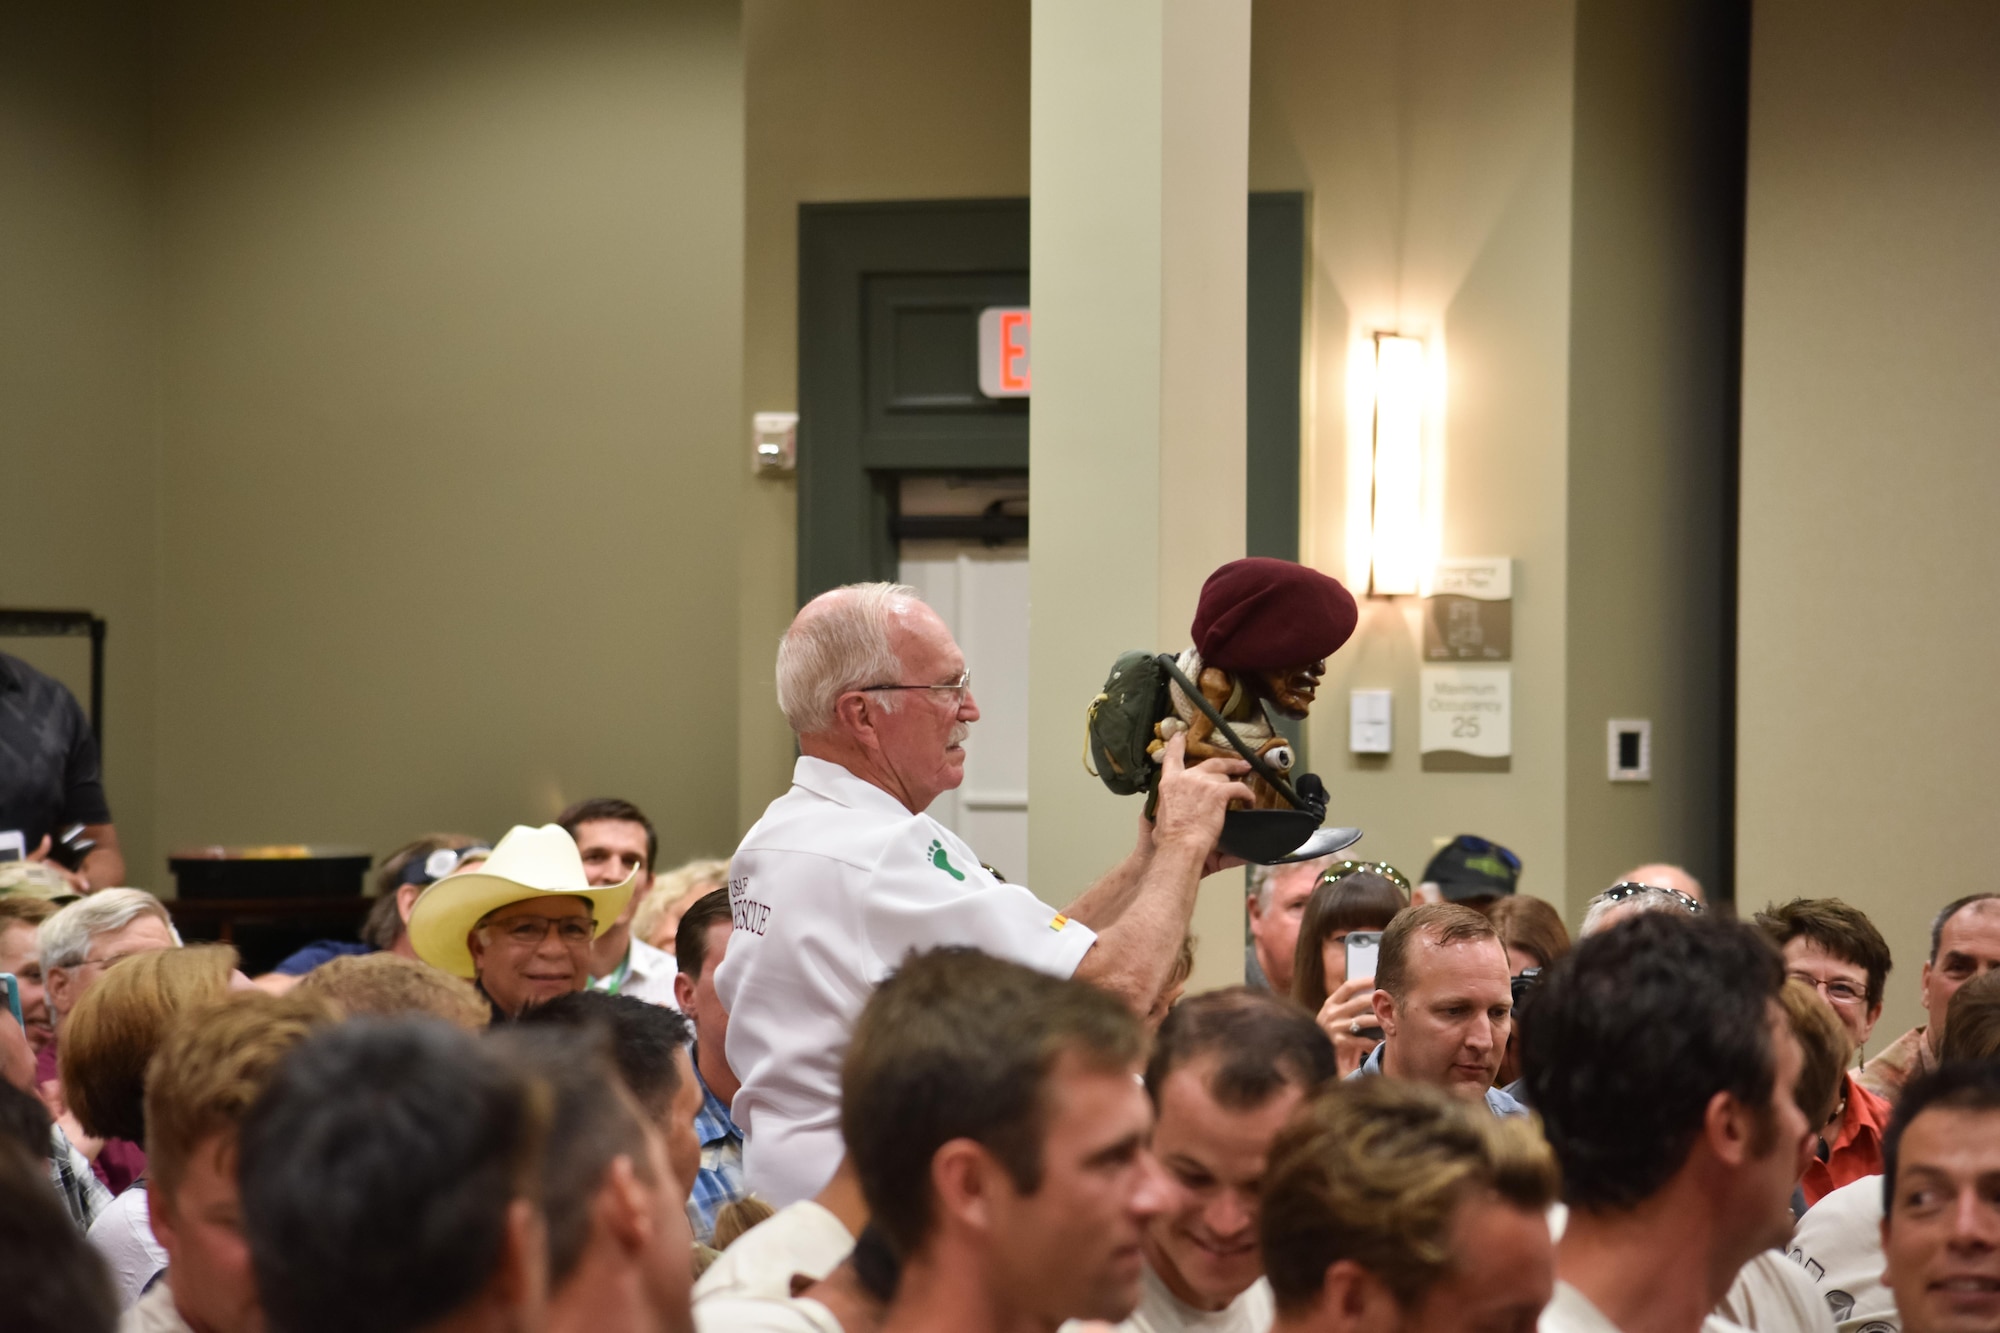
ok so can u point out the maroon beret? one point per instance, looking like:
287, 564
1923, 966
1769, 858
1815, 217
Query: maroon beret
1261, 614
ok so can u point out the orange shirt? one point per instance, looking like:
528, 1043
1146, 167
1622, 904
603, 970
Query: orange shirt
1856, 1151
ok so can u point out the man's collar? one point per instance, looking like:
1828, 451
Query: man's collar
823, 777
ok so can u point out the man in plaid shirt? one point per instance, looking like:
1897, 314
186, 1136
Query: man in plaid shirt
699, 945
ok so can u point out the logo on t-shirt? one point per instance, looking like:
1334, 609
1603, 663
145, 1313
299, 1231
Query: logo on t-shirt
938, 858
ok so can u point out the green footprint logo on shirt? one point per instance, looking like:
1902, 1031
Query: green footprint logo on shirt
941, 861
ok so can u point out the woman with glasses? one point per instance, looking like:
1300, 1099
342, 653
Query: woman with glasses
1350, 896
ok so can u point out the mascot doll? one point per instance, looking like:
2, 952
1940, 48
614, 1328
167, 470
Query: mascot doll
1262, 632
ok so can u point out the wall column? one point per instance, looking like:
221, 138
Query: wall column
1139, 178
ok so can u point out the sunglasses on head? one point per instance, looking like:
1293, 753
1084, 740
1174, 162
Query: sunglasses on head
1342, 869
1618, 893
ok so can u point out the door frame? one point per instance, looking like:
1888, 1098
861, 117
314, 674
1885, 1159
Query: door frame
847, 486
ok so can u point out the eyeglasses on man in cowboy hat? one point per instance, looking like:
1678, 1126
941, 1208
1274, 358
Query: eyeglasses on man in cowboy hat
520, 924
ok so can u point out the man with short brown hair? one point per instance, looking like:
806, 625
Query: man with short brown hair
1835, 949
620, 1253
1445, 1001
1391, 1207
995, 1116
1941, 1223
1228, 1069
617, 843
198, 1087
1663, 1066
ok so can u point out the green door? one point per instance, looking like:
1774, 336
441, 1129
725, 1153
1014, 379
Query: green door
889, 302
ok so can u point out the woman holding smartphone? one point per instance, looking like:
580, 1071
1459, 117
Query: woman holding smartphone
1353, 901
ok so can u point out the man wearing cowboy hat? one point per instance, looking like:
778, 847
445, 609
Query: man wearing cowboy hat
521, 924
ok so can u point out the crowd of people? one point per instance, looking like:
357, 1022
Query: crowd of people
850, 1080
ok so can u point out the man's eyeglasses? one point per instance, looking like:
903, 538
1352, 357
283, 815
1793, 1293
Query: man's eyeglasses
529, 931
955, 691
1843, 993
1618, 893
1342, 869
114, 958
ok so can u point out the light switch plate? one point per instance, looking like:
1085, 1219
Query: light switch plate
1629, 741
1369, 721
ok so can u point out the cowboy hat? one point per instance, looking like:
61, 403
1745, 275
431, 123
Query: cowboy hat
527, 863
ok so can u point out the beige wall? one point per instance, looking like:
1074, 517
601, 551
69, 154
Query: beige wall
895, 99
78, 362
1870, 559
449, 382
1435, 139
1655, 255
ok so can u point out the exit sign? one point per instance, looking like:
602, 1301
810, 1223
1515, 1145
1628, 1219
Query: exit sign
1003, 351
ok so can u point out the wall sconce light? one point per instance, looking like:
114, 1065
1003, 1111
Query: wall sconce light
1396, 481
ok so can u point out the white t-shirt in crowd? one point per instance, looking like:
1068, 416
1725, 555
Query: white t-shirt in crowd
1772, 1294
1839, 1246
1570, 1311
742, 1315
123, 1234
800, 1238
1160, 1311
830, 891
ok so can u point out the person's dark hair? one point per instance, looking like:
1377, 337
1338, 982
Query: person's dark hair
1630, 1037
1964, 1085
592, 1123
378, 1169
1972, 1021
957, 1044
1841, 930
1439, 923
610, 807
691, 936
53, 1279
1359, 900
24, 1122
643, 1039
1525, 923
1952, 909
389, 875
1260, 1043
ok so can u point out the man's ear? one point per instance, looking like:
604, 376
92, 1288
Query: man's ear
477, 948
855, 714
521, 1278
1385, 1012
1354, 1300
621, 1206
963, 1177
55, 980
684, 992
160, 1216
1728, 1126
406, 898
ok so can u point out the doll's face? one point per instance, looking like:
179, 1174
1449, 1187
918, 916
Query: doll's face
1291, 689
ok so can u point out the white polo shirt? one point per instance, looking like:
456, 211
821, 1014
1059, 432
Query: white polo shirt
829, 891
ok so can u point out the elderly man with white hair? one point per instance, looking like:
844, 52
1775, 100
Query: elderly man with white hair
76, 945
845, 875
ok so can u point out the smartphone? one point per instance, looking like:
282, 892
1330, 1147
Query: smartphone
13, 845
13, 986
1362, 947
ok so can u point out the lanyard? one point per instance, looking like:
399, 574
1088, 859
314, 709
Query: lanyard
615, 983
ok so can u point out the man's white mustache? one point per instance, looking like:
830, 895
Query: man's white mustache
958, 734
